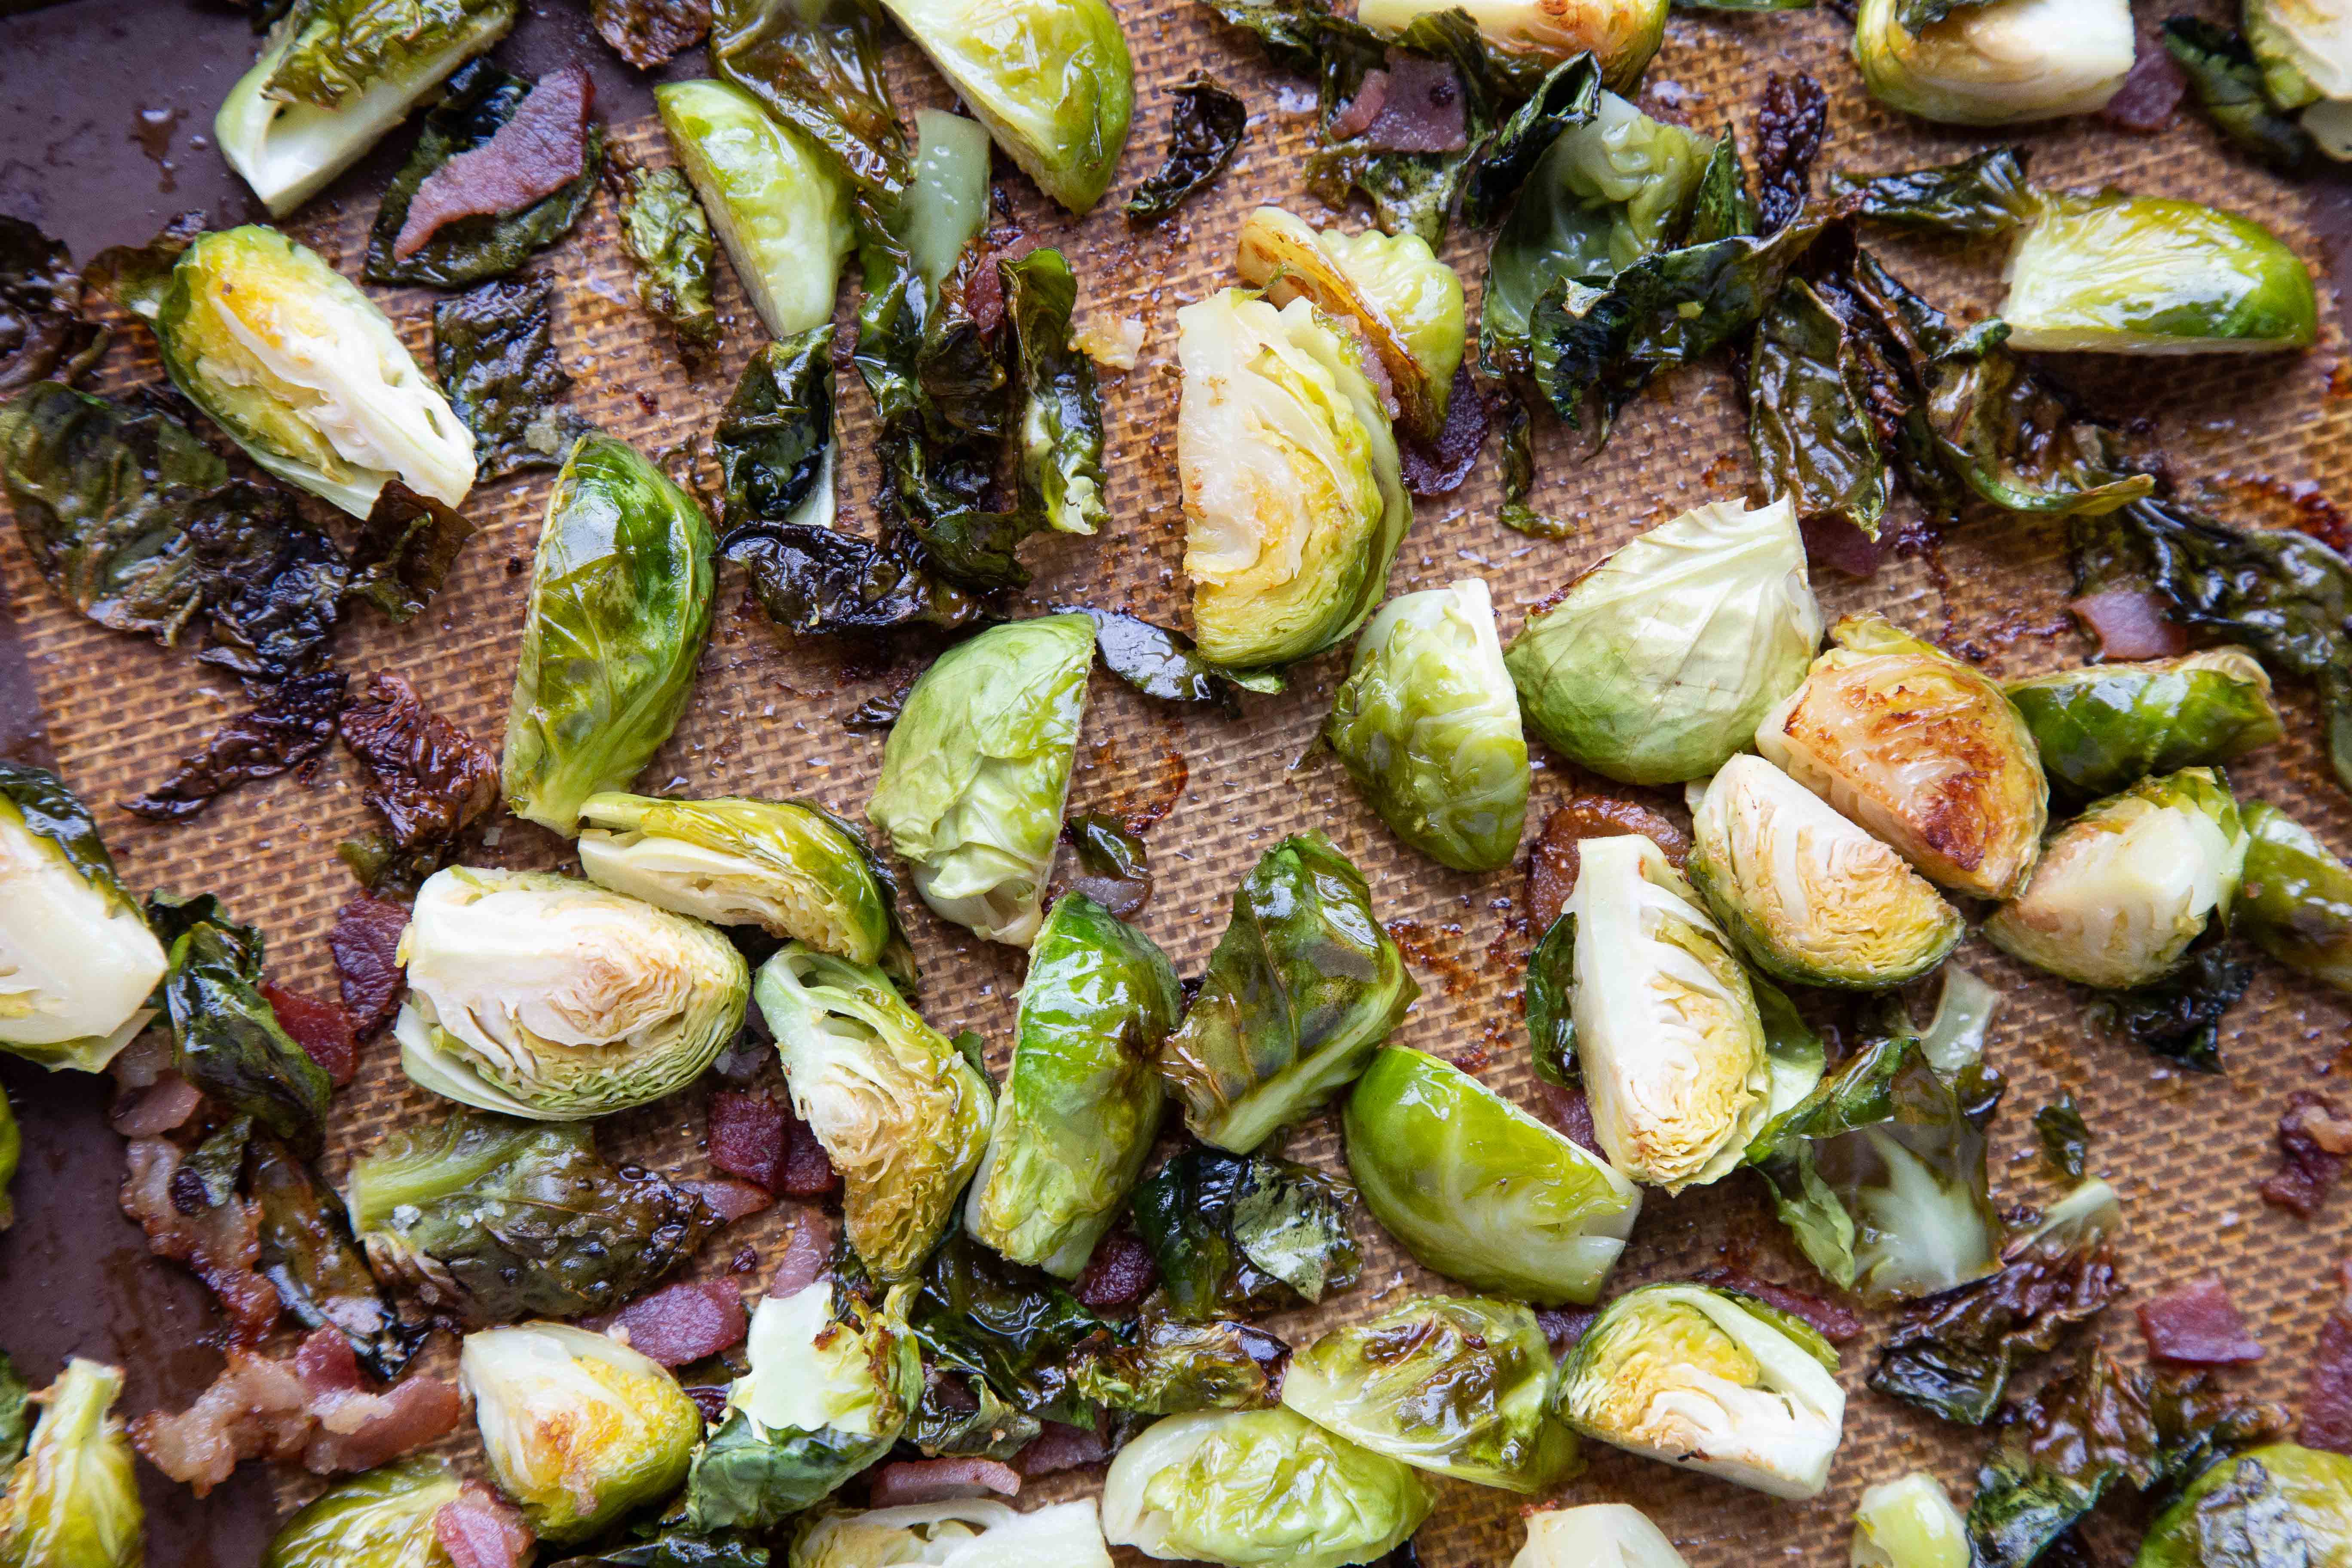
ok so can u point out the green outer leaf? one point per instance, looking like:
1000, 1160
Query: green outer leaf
2102, 729
1013, 1327
494, 352
668, 238
1552, 1028
1302, 988
817, 67
1567, 99
230, 1044
1808, 413
16, 1413
748, 1479
1061, 427
73, 1500
1981, 197
387, 1510
1160, 662
341, 48
1174, 1367
308, 1252
1243, 1233
775, 438
2065, 1137
2228, 82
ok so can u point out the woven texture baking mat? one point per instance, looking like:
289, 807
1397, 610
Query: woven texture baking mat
2255, 437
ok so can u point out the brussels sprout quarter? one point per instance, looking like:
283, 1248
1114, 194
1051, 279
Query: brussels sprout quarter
1919, 749
382, 1519
72, 1501
2289, 1504
1596, 1535
2124, 888
1809, 897
2001, 63
542, 996
1710, 1381
2107, 726
1480, 1191
1621, 35
2296, 899
1657, 664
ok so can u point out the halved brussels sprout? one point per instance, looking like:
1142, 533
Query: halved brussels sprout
1458, 1385
1809, 897
1294, 499
1050, 80
77, 962
2304, 50
620, 605
973, 1534
303, 372
332, 78
1919, 749
1428, 727
1303, 987
1480, 1191
1711, 1381
1396, 293
832, 1383
382, 1518
2295, 901
1247, 1488
795, 870
1908, 1523
2101, 728
72, 1501
1082, 1101
900, 1112
2124, 888
1621, 35
1596, 1535
1657, 664
2001, 63
578, 1429
2276, 1506
779, 205
541, 997
977, 769
1668, 1034
2112, 273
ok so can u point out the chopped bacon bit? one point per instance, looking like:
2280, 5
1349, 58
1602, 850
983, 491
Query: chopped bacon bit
2314, 1138
806, 1255
1835, 542
156, 1108
710, 1398
808, 1169
683, 1322
327, 1364
219, 1243
2149, 94
1120, 1274
1563, 1326
533, 155
2328, 1399
479, 1529
1837, 1325
909, 1481
359, 1430
1571, 1110
2198, 1326
323, 1029
1357, 116
1552, 865
747, 1137
365, 942
1060, 1447
2130, 623
1423, 109
1438, 468
730, 1201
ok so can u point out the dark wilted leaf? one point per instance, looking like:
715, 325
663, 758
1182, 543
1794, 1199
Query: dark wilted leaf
1809, 412
1162, 663
272, 585
1013, 1327
669, 239
2065, 1138
1243, 1234
428, 778
1105, 862
812, 579
2180, 1018
1979, 196
1060, 428
493, 351
405, 549
230, 1044
43, 336
1790, 124
308, 1252
1205, 130
290, 725
775, 438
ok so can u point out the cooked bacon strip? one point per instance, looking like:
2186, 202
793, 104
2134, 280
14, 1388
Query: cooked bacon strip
748, 1136
219, 1244
1554, 861
939, 1480
1837, 1325
2198, 1326
1563, 1326
808, 1169
2313, 1138
1356, 115
323, 1029
682, 1322
365, 942
730, 1201
2327, 1398
535, 154
1120, 1275
479, 1529
1060, 1447
2150, 92
1423, 109
806, 1255
2130, 623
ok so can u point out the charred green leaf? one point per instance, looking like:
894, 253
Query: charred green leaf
2228, 82
308, 1252
1979, 198
1162, 663
774, 437
1205, 130
1243, 1234
405, 549
668, 239
43, 336
292, 723
494, 351
228, 1040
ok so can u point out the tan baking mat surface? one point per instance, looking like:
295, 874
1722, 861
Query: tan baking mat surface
2185, 1150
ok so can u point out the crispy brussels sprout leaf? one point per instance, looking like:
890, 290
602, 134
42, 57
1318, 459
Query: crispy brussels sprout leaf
2101, 729
2179, 1017
43, 336
293, 723
2279, 1503
1163, 663
228, 1040
1981, 197
1171, 1367
1808, 413
1061, 424
495, 354
478, 101
2228, 82
308, 1254
386, 1511
774, 437
1302, 988
72, 1501
668, 239
1243, 1234
405, 549
1204, 132
813, 580
2295, 902
2065, 1137
493, 1218
679, 1548
1013, 1328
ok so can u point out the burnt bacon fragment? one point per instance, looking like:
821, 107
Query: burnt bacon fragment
365, 944
291, 725
2327, 1394
1790, 124
2197, 1325
323, 1029
2314, 1138
1836, 1323
1205, 130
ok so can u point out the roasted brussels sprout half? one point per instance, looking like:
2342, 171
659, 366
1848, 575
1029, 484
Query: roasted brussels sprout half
2279, 1503
1428, 726
904, 1117
1657, 666
779, 205
541, 997
1294, 498
1908, 1523
979, 1534
795, 870
1082, 1101
977, 770
579, 1430
2124, 888
620, 605
1401, 300
1259, 1487
382, 1518
2305, 53
72, 1501
1621, 35
299, 366
1461, 1385
77, 962
1809, 897
1050, 80
2109, 725
333, 77
2111, 273
1997, 63
1480, 1191
1711, 1381
1919, 749
1302, 988
1596, 1535
2295, 901
832, 1384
